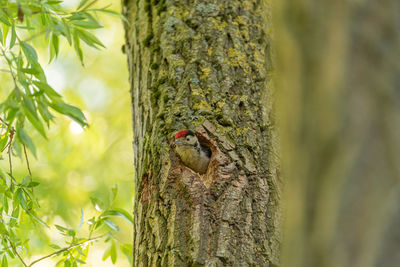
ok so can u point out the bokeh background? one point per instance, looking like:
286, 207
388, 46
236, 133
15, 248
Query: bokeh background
75, 164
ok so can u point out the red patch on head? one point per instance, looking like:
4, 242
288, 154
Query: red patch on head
181, 133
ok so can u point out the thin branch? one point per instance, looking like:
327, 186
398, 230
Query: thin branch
12, 132
4, 122
27, 165
27, 162
9, 159
65, 249
9, 63
16, 253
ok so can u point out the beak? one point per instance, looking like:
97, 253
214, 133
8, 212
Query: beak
178, 143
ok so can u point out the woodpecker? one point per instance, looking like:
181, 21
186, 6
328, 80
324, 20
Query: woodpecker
192, 153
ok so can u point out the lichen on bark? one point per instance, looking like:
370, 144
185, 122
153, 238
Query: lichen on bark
203, 65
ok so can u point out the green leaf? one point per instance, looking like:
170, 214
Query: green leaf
5, 203
111, 225
119, 213
61, 228
77, 16
112, 13
54, 246
20, 198
71, 233
79, 249
3, 140
30, 70
25, 139
97, 204
81, 221
67, 31
127, 250
54, 46
73, 112
4, 18
6, 29
32, 184
25, 181
113, 252
34, 120
17, 148
45, 113
48, 90
3, 229
80, 261
4, 262
14, 216
82, 3
89, 38
13, 36
34, 216
77, 47
6, 177
29, 52
54, 2
114, 191
107, 253
87, 24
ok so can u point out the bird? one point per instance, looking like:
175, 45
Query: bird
192, 154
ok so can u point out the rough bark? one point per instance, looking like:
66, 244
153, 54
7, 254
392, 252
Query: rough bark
203, 65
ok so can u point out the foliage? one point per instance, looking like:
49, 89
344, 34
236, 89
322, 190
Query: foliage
29, 106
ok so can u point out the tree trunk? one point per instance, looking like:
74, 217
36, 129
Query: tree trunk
340, 132
203, 65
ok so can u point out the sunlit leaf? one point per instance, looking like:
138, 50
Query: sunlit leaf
112, 13
54, 246
34, 120
97, 203
87, 24
3, 140
54, 46
61, 228
114, 191
29, 52
73, 112
113, 252
77, 47
6, 29
107, 253
34, 216
26, 140
127, 250
49, 91
119, 213
4, 18
89, 39
4, 262
3, 229
13, 36
32, 184
81, 221
111, 224
67, 31
82, 3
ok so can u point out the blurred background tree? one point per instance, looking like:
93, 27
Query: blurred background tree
340, 131
74, 164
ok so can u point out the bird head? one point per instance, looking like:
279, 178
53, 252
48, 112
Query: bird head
185, 138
